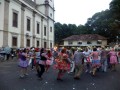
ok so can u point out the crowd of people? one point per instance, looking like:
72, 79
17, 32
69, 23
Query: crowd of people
6, 53
67, 60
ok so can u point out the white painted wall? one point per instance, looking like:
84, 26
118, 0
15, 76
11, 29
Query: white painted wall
1, 38
30, 41
37, 19
51, 2
51, 34
10, 35
1, 21
45, 24
84, 43
104, 42
42, 9
40, 1
51, 12
28, 14
1, 14
13, 6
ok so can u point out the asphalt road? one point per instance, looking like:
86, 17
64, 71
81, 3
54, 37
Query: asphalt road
9, 80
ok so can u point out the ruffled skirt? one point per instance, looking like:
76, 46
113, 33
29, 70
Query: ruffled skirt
113, 60
23, 64
96, 63
62, 65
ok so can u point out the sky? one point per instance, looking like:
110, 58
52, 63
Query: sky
78, 11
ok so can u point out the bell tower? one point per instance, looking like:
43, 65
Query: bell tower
47, 8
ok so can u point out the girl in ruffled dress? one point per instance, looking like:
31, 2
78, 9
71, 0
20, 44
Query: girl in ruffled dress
113, 59
49, 60
62, 64
23, 63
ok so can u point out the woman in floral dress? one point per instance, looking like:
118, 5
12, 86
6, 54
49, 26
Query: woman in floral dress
62, 64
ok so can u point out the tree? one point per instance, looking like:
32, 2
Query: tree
63, 31
115, 10
105, 23
102, 23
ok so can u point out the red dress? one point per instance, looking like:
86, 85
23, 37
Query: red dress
61, 62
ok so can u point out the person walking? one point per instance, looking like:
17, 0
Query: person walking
78, 59
87, 60
70, 57
7, 50
37, 58
103, 56
12, 53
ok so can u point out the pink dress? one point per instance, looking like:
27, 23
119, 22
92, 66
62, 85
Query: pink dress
113, 57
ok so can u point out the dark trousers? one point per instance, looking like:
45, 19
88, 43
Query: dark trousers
42, 67
32, 63
8, 55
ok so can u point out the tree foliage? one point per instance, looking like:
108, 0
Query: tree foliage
105, 23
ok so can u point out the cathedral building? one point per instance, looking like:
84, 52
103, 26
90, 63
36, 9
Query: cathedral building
27, 23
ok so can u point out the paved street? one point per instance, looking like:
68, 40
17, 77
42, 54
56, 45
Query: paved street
9, 80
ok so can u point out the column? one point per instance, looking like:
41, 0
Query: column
6, 23
48, 30
22, 25
42, 43
33, 30
47, 14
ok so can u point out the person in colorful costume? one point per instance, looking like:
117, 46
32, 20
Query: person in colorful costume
23, 63
95, 61
62, 64
113, 59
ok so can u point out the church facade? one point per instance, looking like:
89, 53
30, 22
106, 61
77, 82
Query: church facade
27, 23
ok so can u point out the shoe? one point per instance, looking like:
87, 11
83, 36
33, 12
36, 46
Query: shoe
76, 78
40, 78
21, 76
59, 79
26, 74
93, 75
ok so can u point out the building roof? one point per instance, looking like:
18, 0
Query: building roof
85, 37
